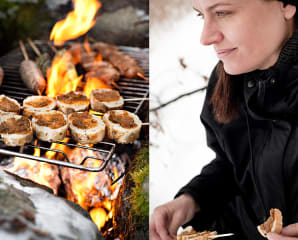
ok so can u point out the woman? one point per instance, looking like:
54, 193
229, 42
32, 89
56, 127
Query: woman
251, 118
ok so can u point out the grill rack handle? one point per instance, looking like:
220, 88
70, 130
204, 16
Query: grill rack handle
63, 163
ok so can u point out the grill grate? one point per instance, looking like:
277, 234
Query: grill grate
14, 87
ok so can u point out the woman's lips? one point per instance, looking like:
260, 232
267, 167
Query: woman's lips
224, 52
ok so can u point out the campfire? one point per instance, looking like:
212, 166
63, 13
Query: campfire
93, 191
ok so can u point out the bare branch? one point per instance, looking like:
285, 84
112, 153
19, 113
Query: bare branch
177, 98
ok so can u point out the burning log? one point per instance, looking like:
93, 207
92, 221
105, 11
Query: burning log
131, 208
30, 212
92, 191
39, 172
42, 173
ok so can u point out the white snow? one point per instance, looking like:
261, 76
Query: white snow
179, 151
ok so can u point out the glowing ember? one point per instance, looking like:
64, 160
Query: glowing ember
77, 22
62, 76
98, 216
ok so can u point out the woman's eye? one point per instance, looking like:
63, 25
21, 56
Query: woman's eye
200, 15
221, 13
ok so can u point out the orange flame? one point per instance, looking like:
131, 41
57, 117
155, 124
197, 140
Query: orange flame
98, 58
77, 22
39, 172
62, 76
94, 83
98, 216
87, 45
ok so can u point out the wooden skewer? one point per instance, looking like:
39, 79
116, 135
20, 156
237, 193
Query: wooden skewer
135, 99
52, 47
221, 235
23, 50
115, 85
198, 236
35, 49
145, 124
142, 76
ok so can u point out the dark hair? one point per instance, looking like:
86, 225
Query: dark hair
225, 98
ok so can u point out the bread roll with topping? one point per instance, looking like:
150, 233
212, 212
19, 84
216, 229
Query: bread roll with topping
35, 104
50, 125
103, 100
72, 102
122, 126
86, 128
15, 130
9, 105
272, 224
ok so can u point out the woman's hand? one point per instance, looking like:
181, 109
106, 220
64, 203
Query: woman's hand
167, 218
289, 232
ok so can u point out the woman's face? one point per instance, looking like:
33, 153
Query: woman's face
246, 34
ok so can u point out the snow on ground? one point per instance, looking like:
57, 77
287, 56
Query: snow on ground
179, 150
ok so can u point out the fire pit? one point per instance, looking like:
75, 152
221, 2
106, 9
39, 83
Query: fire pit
100, 158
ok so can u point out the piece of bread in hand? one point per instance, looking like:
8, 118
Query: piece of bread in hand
103, 100
15, 130
272, 224
86, 128
122, 126
72, 102
34, 104
191, 234
50, 126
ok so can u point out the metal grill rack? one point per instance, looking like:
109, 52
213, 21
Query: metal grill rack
14, 87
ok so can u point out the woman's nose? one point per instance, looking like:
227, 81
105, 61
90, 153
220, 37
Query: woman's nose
210, 34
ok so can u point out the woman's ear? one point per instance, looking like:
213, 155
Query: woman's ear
289, 11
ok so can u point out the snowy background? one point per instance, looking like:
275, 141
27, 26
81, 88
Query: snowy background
178, 148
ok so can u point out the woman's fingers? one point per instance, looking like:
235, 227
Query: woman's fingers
159, 225
290, 230
176, 223
275, 236
153, 235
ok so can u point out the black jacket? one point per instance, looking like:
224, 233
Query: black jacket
256, 164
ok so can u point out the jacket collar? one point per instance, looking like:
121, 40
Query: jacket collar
267, 98
289, 53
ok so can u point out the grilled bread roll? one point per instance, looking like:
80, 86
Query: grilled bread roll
102, 100
86, 128
34, 104
15, 130
50, 125
122, 126
9, 105
272, 224
72, 102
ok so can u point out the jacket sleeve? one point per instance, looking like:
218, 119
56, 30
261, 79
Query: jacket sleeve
215, 186
291, 181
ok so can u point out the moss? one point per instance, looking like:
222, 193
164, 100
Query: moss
139, 198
